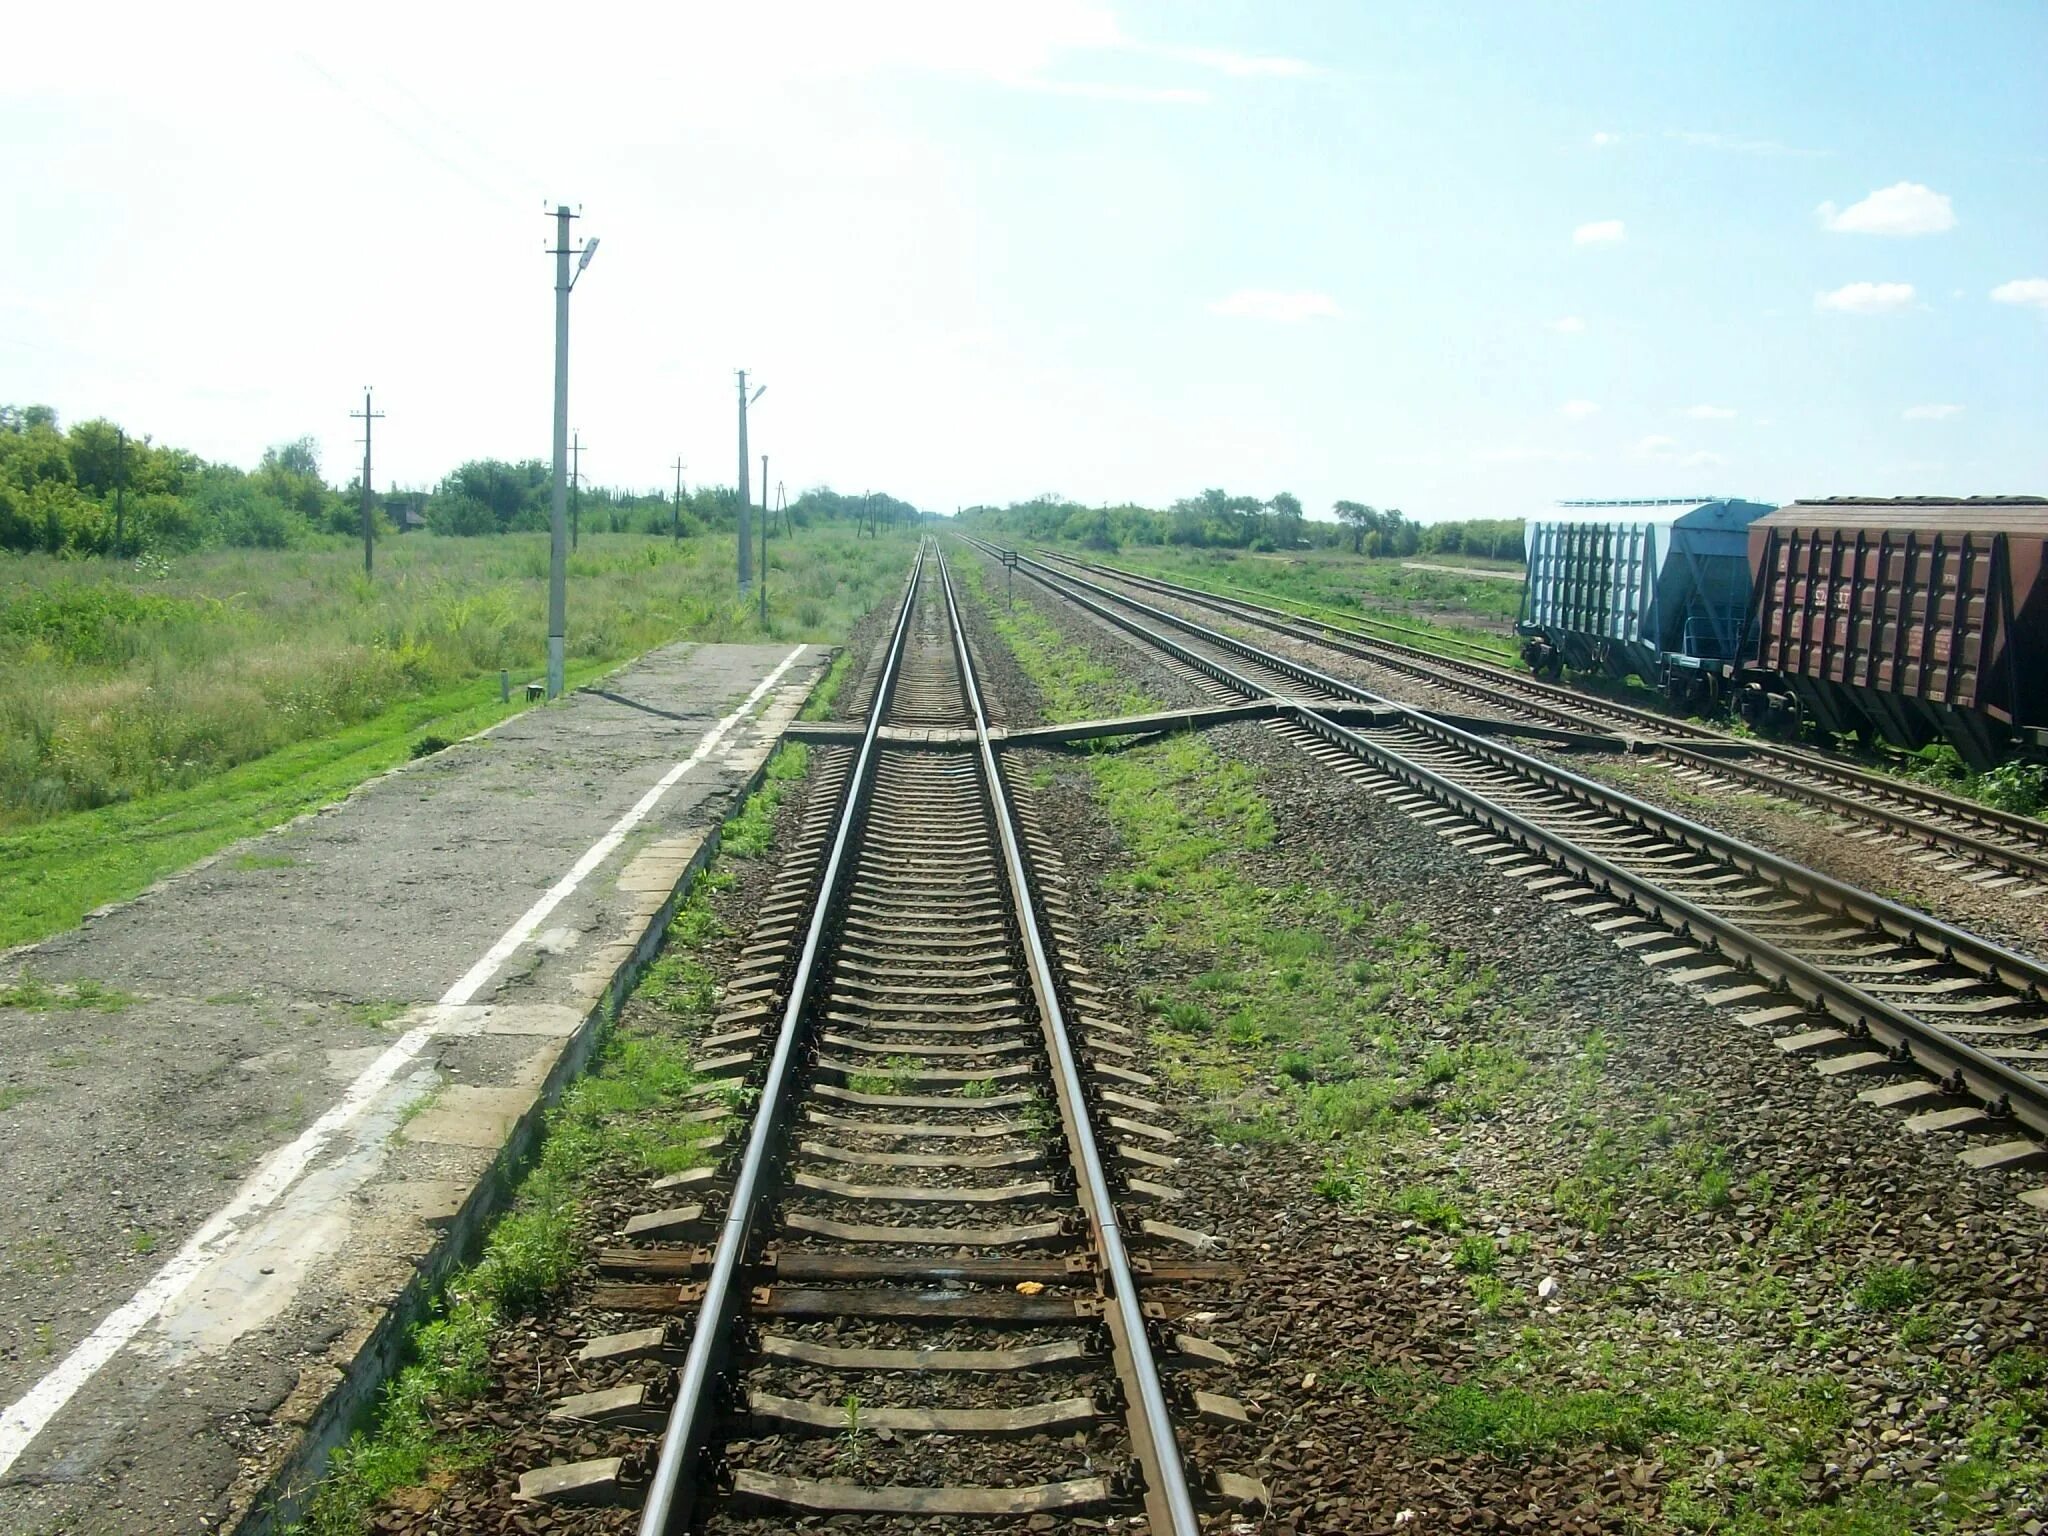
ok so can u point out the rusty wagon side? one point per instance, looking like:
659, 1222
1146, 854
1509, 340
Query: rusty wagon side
1915, 619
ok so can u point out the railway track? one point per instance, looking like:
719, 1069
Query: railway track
920, 1302
1991, 849
1943, 1024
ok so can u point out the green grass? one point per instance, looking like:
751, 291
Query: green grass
750, 834
146, 724
825, 696
14, 1094
1893, 1287
1339, 587
30, 993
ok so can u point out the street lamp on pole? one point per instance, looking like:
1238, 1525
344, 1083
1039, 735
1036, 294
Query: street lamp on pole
558, 536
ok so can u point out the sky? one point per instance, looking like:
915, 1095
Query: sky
1463, 259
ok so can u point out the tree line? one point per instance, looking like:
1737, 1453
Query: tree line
93, 490
1218, 520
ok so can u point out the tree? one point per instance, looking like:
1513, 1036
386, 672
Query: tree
1286, 510
290, 476
301, 456
1359, 518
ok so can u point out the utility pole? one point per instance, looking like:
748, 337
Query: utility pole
120, 489
675, 522
366, 416
746, 494
575, 490
558, 553
782, 506
764, 543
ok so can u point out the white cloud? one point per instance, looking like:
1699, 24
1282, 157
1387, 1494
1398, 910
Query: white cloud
1867, 298
1930, 412
1711, 412
1600, 232
1605, 140
1272, 304
1579, 410
1657, 447
1700, 458
1739, 146
2032, 291
1568, 325
1904, 208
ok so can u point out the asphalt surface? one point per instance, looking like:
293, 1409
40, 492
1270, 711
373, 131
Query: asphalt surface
263, 1088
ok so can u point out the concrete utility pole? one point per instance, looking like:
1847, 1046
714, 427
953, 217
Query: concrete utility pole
575, 489
558, 553
120, 488
764, 541
366, 416
746, 493
675, 522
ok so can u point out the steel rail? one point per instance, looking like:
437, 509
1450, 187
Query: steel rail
1169, 1505
1942, 940
2001, 1088
671, 1493
1567, 707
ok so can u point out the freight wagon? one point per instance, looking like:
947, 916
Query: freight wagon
1915, 619
1653, 589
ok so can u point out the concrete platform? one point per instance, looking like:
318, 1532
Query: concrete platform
216, 1173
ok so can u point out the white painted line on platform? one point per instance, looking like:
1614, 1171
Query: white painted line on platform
29, 1415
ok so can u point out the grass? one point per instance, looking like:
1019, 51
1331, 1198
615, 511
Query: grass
1337, 585
30, 993
146, 723
749, 834
825, 696
1893, 1287
616, 1119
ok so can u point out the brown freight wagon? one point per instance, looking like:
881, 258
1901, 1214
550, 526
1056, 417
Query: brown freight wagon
1914, 619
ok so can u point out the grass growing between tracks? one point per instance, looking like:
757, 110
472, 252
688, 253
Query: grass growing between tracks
1302, 1015
613, 1122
